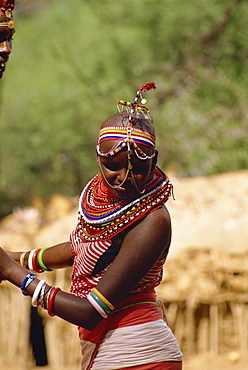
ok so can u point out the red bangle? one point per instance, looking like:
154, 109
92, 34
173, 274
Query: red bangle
34, 261
51, 300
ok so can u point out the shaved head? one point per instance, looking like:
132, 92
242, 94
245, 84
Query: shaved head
140, 121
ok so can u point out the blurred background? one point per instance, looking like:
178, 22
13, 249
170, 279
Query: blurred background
72, 61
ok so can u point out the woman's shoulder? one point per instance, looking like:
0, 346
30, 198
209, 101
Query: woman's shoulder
155, 228
160, 216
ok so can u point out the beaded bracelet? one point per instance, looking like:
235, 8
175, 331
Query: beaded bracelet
97, 306
34, 261
100, 303
40, 260
37, 293
52, 295
26, 282
96, 291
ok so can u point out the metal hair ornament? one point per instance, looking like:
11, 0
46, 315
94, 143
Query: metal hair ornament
6, 8
135, 107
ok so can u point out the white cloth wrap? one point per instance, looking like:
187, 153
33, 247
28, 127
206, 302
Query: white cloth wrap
137, 345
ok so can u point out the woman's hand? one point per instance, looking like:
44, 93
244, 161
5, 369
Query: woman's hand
1, 279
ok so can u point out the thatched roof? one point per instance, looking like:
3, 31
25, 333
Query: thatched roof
210, 212
205, 276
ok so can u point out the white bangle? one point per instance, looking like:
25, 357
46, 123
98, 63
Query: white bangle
37, 292
30, 257
99, 309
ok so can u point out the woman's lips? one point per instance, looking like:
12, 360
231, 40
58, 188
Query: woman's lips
123, 188
3, 65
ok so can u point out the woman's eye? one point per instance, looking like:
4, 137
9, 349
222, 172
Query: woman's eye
111, 166
139, 169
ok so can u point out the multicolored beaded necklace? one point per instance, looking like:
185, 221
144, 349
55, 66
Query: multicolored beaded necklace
101, 215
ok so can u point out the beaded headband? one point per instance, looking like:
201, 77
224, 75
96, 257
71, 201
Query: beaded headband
6, 8
130, 135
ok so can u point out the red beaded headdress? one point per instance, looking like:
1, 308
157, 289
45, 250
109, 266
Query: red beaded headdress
135, 107
6, 8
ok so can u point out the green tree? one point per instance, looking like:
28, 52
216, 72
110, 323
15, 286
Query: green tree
73, 60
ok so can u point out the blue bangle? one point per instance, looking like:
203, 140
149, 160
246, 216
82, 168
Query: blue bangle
26, 282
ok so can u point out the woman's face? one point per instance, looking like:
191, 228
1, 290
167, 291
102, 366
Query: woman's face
6, 35
114, 169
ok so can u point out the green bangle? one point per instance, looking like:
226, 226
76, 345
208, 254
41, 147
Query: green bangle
100, 302
40, 260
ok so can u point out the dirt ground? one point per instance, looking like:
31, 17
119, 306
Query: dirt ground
207, 362
202, 362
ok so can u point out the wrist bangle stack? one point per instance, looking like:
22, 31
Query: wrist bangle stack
35, 261
30, 257
40, 297
35, 298
96, 291
26, 282
22, 259
50, 302
40, 260
97, 306
100, 303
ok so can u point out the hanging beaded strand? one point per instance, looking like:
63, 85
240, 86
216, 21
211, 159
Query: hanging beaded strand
143, 88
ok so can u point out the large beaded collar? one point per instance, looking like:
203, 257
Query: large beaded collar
101, 216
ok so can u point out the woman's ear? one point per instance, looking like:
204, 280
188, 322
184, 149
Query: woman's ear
97, 158
97, 161
154, 160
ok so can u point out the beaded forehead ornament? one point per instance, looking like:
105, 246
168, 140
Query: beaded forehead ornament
6, 8
127, 136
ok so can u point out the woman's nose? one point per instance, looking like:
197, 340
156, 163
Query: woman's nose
124, 175
5, 47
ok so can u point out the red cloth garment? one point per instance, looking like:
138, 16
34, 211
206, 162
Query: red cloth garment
165, 365
137, 308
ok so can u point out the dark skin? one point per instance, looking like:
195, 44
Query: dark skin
140, 249
6, 36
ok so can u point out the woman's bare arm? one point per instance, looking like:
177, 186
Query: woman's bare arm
140, 250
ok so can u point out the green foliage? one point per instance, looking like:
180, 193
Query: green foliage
73, 60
